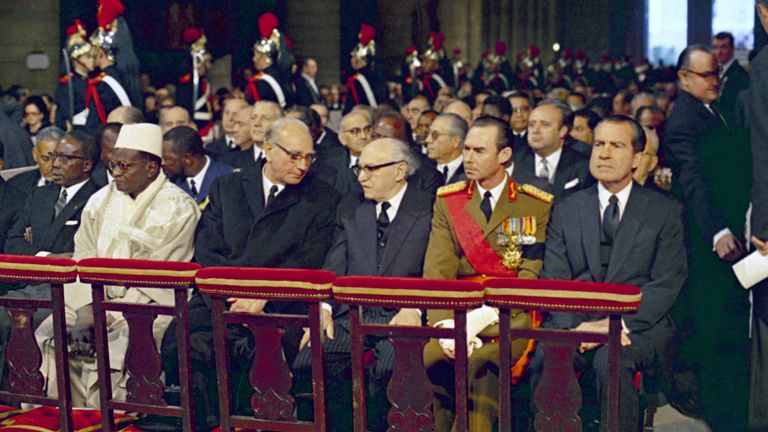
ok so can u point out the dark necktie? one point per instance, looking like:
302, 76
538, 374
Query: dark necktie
271, 197
193, 187
485, 206
611, 219
60, 203
445, 174
382, 223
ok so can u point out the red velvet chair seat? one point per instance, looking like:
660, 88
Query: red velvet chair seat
144, 273
35, 270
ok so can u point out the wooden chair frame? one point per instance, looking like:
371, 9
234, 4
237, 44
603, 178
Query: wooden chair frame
143, 362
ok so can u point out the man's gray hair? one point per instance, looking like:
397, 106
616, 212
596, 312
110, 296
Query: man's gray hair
279, 125
132, 115
402, 152
565, 110
457, 126
51, 133
274, 105
352, 114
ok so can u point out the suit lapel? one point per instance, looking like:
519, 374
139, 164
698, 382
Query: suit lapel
564, 166
207, 180
287, 198
365, 232
253, 190
589, 220
73, 206
399, 230
628, 227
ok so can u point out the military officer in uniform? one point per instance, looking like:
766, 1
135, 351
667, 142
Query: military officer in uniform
431, 79
364, 86
81, 60
267, 83
511, 219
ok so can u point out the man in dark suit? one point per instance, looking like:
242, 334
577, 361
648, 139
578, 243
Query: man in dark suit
226, 143
16, 142
106, 138
518, 121
619, 232
733, 77
185, 163
758, 88
47, 140
354, 134
307, 92
12, 200
257, 122
385, 234
547, 162
270, 216
47, 223
445, 143
711, 173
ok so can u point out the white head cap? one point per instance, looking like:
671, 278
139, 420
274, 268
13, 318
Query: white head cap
144, 137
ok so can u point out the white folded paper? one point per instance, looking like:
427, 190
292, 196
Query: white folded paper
477, 321
752, 269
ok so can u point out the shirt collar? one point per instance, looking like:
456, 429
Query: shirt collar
552, 161
72, 190
201, 175
495, 192
604, 196
452, 166
352, 160
266, 185
394, 203
258, 153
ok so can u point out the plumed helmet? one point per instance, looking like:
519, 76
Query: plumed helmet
195, 38
366, 48
435, 49
269, 43
104, 36
77, 44
499, 52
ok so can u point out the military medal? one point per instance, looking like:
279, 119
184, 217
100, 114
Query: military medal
512, 234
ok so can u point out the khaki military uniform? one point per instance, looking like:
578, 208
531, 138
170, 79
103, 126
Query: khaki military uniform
445, 259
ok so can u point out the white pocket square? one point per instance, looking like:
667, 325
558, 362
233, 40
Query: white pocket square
571, 183
72, 222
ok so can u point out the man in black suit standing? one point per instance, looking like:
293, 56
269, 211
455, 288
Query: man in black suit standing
47, 223
547, 162
445, 144
384, 234
307, 92
619, 232
733, 77
187, 165
758, 396
711, 174
261, 216
260, 118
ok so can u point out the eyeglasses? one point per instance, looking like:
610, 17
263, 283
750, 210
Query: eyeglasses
53, 156
707, 75
369, 170
296, 157
357, 131
30, 114
436, 134
124, 166
519, 110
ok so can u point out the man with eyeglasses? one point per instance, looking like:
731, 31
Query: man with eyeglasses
336, 167
47, 140
51, 214
262, 216
712, 176
140, 215
383, 233
445, 144
521, 109
484, 227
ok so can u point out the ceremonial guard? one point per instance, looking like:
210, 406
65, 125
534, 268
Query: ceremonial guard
364, 86
194, 91
267, 83
497, 73
484, 227
76, 76
431, 80
458, 69
410, 69
105, 90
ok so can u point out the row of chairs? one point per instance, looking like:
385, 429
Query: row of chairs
557, 397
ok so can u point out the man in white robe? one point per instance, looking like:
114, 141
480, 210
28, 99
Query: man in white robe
141, 215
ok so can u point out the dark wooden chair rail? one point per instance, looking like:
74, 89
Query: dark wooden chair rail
23, 355
409, 390
143, 362
557, 396
274, 408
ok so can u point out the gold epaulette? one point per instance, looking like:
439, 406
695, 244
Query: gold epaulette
537, 193
452, 188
